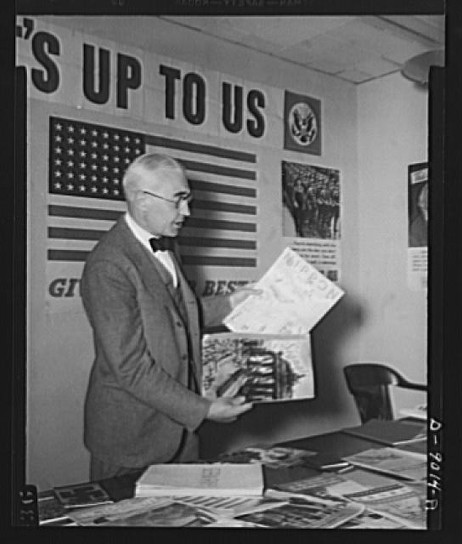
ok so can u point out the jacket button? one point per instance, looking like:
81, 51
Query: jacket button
184, 357
179, 324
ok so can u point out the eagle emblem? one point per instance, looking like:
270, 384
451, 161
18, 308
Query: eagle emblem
303, 124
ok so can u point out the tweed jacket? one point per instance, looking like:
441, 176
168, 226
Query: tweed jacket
138, 403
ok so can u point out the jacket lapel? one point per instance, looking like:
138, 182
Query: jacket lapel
159, 281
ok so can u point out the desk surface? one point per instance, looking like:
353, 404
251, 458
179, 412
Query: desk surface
338, 442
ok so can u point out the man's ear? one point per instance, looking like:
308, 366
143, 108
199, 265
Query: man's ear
140, 200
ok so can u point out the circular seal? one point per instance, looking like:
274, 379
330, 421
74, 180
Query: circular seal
303, 124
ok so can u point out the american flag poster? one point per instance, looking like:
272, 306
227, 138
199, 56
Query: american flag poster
85, 195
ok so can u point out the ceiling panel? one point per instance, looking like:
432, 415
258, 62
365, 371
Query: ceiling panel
353, 48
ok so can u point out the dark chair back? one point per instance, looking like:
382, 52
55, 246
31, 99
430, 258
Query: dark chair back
369, 383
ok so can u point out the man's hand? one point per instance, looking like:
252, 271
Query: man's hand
225, 410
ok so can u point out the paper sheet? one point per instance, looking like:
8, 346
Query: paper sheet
294, 297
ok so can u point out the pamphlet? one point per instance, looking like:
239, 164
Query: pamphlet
173, 514
397, 463
325, 486
390, 432
373, 520
82, 495
261, 367
50, 510
293, 297
216, 480
418, 412
231, 506
95, 515
275, 457
300, 512
147, 512
397, 502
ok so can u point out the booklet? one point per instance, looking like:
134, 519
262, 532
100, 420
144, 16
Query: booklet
261, 367
216, 480
390, 432
231, 506
397, 502
294, 297
397, 463
373, 520
50, 510
418, 412
82, 495
301, 513
274, 457
144, 512
401, 504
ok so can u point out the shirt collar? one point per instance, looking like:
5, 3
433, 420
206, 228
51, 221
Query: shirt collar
140, 234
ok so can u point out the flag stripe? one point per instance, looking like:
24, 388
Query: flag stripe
84, 213
68, 211
223, 207
234, 262
200, 148
196, 166
217, 242
200, 185
74, 234
87, 234
67, 255
219, 224
188, 260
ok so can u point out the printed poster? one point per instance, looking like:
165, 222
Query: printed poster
311, 214
418, 184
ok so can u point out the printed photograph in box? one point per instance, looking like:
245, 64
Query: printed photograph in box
263, 368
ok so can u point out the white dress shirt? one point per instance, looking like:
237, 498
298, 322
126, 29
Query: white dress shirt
144, 236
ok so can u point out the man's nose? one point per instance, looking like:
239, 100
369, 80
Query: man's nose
184, 208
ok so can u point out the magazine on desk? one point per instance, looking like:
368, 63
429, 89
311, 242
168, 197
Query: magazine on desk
216, 480
274, 457
390, 503
143, 512
261, 367
393, 461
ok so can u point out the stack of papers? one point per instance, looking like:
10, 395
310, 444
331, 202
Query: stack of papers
217, 480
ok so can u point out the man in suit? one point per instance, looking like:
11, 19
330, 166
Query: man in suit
143, 403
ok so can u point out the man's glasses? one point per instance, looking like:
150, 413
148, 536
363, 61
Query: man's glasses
186, 199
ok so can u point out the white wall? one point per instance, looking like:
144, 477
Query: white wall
392, 133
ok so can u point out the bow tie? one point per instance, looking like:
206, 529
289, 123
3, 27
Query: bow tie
161, 244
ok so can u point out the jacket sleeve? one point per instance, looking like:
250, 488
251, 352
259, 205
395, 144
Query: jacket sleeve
110, 301
214, 309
